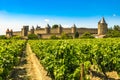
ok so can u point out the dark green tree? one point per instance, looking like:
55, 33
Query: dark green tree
116, 27
115, 32
55, 26
87, 35
76, 34
32, 36
65, 36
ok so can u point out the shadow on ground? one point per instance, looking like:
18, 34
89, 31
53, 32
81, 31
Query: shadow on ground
19, 72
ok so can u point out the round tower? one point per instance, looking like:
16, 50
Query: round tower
32, 30
73, 28
59, 28
9, 33
47, 29
102, 27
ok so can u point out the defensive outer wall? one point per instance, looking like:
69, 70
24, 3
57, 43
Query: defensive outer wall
48, 31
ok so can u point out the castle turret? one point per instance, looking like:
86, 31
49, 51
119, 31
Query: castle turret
9, 33
32, 30
47, 29
102, 27
59, 28
73, 28
25, 30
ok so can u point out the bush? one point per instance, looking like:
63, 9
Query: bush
16, 37
55, 26
115, 32
32, 36
76, 34
3, 37
65, 36
53, 37
87, 35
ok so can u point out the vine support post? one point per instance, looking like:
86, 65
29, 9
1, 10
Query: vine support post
82, 72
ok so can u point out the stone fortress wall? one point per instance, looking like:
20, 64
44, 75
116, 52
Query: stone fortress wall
48, 31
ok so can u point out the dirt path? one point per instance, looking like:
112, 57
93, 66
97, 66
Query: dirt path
29, 68
34, 68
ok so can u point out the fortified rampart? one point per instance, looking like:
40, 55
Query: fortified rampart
48, 31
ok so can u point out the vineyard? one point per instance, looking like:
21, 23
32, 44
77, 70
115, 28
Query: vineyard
10, 50
65, 59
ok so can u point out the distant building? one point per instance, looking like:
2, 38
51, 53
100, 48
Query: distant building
48, 31
102, 27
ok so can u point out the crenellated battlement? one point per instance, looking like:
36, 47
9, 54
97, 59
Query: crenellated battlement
48, 30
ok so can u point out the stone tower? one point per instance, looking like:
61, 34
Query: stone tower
59, 29
47, 29
102, 27
25, 30
9, 33
73, 28
32, 30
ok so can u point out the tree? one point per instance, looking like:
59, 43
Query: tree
65, 36
76, 34
55, 26
87, 35
32, 36
116, 27
115, 32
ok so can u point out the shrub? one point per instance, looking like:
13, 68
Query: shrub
32, 36
76, 34
3, 37
87, 35
53, 37
65, 36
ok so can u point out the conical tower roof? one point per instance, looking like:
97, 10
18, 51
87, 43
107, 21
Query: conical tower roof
47, 26
74, 25
102, 20
7, 30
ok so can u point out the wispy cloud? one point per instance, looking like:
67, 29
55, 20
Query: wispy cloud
16, 22
3, 12
47, 20
114, 15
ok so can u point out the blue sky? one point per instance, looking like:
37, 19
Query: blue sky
84, 13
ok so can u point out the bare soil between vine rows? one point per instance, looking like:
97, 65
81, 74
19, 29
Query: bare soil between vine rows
30, 68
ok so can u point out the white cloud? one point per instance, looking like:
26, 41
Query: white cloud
114, 15
47, 20
16, 22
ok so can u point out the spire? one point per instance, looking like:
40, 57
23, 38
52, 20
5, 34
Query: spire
102, 20
7, 30
74, 25
48, 26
